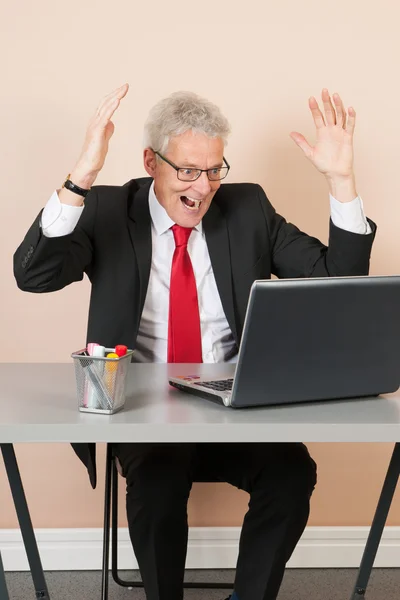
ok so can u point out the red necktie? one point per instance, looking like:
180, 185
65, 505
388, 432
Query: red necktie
184, 335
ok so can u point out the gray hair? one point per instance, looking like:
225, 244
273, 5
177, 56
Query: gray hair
180, 112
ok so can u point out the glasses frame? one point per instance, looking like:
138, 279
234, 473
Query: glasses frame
200, 171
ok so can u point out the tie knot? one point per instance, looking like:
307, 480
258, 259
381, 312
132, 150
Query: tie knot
181, 235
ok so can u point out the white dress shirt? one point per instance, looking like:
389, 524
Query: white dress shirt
218, 344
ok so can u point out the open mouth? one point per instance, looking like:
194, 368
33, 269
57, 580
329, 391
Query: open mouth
190, 203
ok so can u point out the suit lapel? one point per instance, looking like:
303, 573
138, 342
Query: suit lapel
216, 232
139, 224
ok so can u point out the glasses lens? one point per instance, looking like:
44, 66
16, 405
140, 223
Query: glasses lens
217, 174
188, 174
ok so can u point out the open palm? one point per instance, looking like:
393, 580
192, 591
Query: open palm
332, 153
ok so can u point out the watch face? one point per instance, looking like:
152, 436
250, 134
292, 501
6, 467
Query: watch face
66, 179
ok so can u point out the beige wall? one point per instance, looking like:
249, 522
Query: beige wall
260, 62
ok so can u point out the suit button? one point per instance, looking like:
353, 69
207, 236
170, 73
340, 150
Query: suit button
23, 264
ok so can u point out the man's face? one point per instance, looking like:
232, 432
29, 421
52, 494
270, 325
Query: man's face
180, 198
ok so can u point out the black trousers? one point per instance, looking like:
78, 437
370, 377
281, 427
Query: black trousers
280, 479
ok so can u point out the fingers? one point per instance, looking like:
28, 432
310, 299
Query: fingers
330, 114
112, 99
334, 114
345, 120
301, 141
316, 113
121, 90
340, 111
351, 121
111, 102
107, 112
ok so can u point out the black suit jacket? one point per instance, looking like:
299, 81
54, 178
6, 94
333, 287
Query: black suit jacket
246, 239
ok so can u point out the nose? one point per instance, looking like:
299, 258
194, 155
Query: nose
202, 184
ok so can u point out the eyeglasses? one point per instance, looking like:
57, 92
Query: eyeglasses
189, 174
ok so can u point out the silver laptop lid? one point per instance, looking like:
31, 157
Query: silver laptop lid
315, 339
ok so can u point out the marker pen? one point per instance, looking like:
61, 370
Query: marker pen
88, 352
121, 350
96, 370
110, 372
90, 348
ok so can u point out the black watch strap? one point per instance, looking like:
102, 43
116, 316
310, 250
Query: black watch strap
72, 187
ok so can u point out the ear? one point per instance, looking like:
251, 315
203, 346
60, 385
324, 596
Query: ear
150, 162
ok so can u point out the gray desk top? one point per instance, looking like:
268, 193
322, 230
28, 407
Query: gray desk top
38, 404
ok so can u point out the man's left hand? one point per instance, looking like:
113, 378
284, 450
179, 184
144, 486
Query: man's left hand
332, 154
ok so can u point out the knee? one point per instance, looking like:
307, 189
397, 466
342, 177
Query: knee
293, 485
298, 483
304, 477
159, 482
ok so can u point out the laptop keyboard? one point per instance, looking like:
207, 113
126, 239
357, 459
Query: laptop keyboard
222, 385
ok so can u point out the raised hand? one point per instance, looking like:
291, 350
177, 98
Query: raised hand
98, 134
332, 153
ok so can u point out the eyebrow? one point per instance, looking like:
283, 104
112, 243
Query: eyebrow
193, 166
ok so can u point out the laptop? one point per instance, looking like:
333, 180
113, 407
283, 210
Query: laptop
312, 340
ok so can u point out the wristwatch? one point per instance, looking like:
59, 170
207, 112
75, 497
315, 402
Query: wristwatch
72, 187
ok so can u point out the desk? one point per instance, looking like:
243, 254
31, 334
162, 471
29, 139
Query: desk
38, 404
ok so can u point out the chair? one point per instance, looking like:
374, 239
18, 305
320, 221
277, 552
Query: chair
111, 514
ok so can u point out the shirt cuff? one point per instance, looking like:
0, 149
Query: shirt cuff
349, 215
59, 219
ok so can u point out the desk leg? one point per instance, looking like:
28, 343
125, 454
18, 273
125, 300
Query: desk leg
375, 533
106, 532
25, 522
3, 586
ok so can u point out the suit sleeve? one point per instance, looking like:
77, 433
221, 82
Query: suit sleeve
47, 264
297, 254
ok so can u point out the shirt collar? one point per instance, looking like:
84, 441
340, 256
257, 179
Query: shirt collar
160, 219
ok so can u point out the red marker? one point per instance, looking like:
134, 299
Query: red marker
121, 350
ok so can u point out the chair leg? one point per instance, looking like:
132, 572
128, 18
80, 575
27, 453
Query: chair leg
114, 534
106, 525
114, 547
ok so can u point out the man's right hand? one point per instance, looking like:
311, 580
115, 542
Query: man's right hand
95, 147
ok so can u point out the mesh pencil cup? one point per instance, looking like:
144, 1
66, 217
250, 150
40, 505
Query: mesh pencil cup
101, 381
